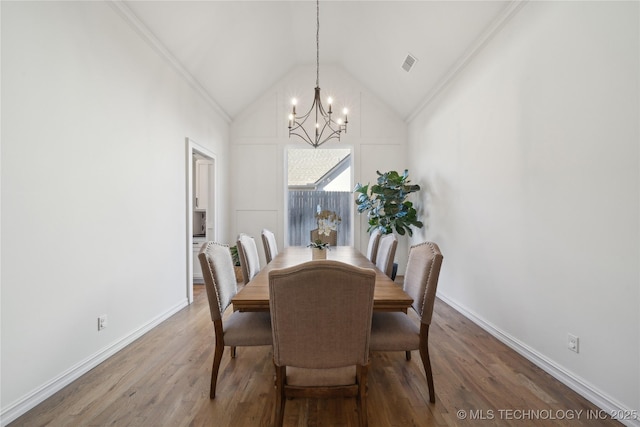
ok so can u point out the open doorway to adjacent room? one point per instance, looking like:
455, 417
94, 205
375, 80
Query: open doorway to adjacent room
201, 208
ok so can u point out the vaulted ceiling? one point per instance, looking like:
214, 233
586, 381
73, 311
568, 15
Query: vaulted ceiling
236, 50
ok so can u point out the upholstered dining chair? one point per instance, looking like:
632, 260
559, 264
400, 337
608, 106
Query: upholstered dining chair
248, 254
240, 328
396, 331
386, 253
321, 321
372, 248
270, 245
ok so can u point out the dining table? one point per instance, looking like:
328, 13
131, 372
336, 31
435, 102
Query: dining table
254, 296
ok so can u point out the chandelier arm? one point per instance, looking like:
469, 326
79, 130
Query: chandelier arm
324, 128
333, 131
322, 110
314, 143
305, 116
334, 135
305, 137
308, 141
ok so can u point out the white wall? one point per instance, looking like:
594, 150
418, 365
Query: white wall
93, 190
259, 139
530, 160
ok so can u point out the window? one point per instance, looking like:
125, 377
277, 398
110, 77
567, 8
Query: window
318, 178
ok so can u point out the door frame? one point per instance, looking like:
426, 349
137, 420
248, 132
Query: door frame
193, 148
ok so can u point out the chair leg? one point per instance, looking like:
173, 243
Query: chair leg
426, 361
217, 357
407, 355
278, 410
233, 352
361, 399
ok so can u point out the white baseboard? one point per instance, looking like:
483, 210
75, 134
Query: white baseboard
577, 384
29, 401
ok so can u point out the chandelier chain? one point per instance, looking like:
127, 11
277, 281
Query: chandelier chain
317, 43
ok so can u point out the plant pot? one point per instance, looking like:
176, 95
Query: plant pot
318, 254
238, 270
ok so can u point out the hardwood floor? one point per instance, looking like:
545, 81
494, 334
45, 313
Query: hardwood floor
162, 379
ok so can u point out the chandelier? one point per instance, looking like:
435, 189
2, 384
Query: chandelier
325, 128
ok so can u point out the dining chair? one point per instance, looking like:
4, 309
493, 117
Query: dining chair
331, 239
372, 248
321, 321
386, 253
239, 328
396, 331
270, 245
248, 254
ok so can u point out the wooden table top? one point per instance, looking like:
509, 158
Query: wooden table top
254, 296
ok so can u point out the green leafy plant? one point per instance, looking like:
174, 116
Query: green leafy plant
386, 205
318, 244
235, 256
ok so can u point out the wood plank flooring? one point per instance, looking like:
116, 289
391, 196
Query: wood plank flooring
162, 379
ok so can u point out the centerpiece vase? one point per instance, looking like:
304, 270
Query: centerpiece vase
318, 254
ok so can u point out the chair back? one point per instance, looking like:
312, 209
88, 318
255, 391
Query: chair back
248, 254
386, 253
421, 278
270, 245
331, 239
321, 314
372, 248
219, 277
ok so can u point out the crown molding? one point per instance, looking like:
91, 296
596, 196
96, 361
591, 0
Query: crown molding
127, 14
507, 13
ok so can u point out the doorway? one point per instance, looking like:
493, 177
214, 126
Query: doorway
201, 207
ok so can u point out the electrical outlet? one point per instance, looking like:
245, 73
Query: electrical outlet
102, 322
573, 343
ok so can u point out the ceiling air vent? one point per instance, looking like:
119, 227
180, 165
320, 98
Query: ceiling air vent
409, 62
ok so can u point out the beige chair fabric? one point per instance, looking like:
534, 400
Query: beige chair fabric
240, 328
331, 239
249, 259
270, 245
396, 331
372, 248
386, 253
321, 321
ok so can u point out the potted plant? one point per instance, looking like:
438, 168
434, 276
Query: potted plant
236, 263
387, 206
386, 203
318, 249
